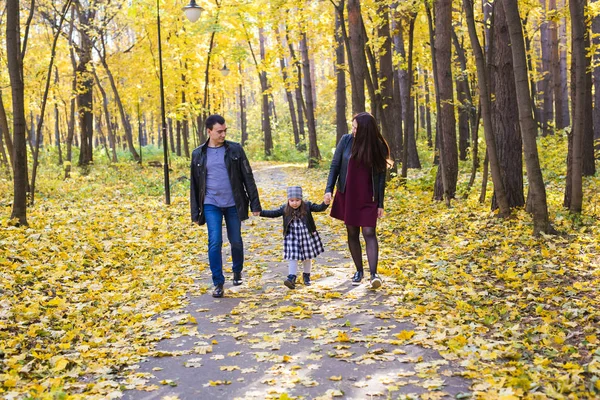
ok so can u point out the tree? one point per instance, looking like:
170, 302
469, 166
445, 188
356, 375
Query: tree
505, 117
537, 203
447, 175
15, 55
486, 112
313, 150
357, 51
340, 89
574, 187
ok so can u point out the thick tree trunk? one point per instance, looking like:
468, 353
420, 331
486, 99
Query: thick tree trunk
445, 188
465, 104
15, 70
537, 190
341, 123
574, 192
85, 85
313, 150
486, 111
505, 116
357, 50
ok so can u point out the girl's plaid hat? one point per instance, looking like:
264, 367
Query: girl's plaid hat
294, 192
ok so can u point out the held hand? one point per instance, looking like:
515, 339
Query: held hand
256, 213
380, 213
327, 198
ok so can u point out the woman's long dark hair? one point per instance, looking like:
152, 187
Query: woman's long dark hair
369, 147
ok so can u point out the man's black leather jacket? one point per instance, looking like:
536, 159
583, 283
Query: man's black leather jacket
339, 170
240, 176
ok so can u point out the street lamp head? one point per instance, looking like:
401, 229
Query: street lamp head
224, 70
192, 11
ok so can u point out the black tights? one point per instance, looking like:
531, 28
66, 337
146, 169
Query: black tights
371, 243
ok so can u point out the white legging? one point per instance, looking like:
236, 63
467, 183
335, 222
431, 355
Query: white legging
293, 266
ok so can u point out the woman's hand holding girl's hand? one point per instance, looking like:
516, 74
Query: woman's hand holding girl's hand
327, 198
380, 213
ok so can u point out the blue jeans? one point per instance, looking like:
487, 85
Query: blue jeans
214, 222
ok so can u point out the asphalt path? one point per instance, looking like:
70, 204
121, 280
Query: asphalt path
262, 340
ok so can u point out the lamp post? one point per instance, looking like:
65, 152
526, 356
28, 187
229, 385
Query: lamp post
162, 111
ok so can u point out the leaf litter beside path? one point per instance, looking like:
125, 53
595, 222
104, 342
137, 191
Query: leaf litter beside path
105, 270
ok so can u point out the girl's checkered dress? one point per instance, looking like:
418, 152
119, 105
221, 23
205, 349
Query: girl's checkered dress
299, 244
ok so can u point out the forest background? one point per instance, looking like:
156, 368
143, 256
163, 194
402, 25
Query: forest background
462, 91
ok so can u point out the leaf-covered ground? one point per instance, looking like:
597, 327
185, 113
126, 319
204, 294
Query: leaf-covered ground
103, 270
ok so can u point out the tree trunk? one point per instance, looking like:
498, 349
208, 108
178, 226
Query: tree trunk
85, 85
186, 128
574, 192
561, 91
596, 80
486, 111
313, 150
546, 84
534, 95
107, 118
505, 117
6, 131
57, 122
410, 156
298, 94
341, 125
15, 70
446, 119
243, 117
288, 93
537, 190
428, 110
588, 162
386, 80
398, 39
124, 119
357, 49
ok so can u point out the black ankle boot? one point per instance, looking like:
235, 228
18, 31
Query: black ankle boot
290, 282
237, 278
357, 278
306, 278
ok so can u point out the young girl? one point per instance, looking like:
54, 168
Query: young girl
301, 241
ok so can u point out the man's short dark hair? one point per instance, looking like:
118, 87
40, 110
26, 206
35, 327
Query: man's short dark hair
214, 119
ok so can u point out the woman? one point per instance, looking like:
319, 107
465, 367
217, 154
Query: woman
358, 171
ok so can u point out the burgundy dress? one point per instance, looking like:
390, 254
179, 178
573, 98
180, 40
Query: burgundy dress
356, 206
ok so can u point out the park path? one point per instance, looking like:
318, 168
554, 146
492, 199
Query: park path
329, 340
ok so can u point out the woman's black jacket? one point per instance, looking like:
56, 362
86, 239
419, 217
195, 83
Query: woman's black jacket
240, 176
287, 219
339, 170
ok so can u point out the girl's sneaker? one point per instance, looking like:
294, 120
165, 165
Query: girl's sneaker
375, 281
290, 282
306, 278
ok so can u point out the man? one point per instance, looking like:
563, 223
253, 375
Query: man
222, 185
